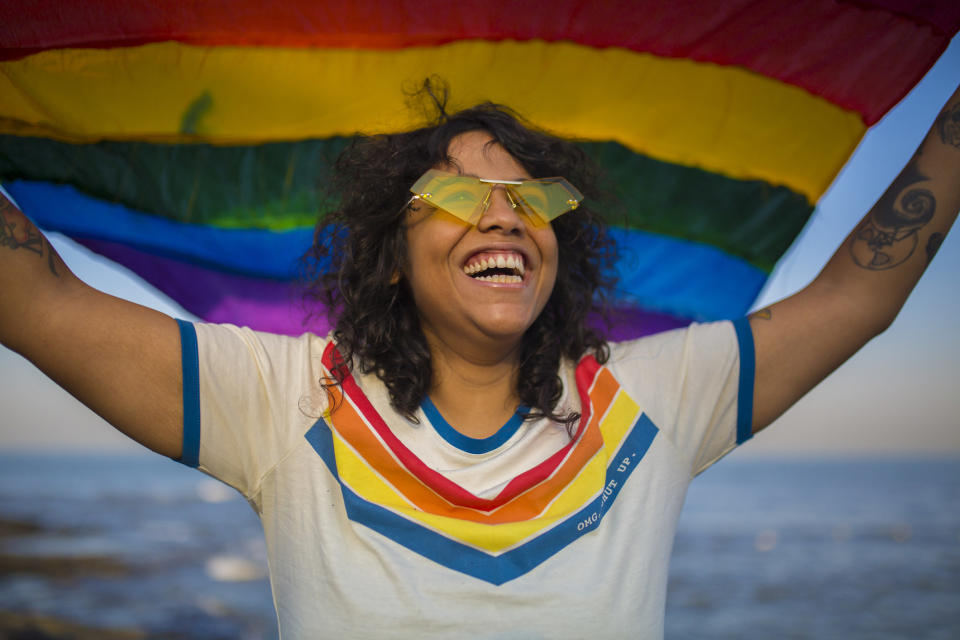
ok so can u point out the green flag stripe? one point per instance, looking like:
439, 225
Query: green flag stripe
279, 186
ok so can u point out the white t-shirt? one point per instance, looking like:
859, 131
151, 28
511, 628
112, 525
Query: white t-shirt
380, 527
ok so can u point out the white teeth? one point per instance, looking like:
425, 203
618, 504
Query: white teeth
515, 262
500, 261
500, 279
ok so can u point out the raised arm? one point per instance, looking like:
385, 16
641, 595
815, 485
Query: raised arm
120, 359
801, 339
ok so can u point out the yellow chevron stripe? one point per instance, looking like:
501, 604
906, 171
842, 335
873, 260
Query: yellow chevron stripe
491, 538
618, 421
723, 119
495, 539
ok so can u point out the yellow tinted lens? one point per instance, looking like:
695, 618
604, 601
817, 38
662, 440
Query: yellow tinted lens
457, 195
548, 197
466, 197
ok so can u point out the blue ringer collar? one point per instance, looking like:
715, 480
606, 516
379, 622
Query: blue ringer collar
466, 443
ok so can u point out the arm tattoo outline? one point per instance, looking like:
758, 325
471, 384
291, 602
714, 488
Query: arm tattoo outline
948, 125
24, 236
933, 245
889, 235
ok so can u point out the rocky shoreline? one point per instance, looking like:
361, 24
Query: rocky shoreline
26, 626
58, 567
16, 625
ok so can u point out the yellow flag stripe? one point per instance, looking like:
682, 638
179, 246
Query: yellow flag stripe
723, 119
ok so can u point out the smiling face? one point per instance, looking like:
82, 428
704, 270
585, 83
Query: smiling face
483, 284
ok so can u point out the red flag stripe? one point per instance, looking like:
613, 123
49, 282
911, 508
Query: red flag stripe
860, 57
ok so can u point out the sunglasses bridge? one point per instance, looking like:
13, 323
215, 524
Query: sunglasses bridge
485, 203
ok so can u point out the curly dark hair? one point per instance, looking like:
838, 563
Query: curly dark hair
360, 247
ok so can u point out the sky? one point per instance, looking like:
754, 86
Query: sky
898, 396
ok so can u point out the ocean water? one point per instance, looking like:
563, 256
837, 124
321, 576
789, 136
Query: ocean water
851, 549
765, 549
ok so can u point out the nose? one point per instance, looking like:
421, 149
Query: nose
500, 214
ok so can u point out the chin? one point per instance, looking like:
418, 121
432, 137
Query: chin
506, 330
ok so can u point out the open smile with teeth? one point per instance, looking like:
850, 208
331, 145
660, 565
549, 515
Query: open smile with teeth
503, 268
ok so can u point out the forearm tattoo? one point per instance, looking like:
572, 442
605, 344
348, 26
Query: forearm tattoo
948, 125
933, 245
889, 235
16, 233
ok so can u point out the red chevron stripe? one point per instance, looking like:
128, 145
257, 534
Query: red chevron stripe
587, 372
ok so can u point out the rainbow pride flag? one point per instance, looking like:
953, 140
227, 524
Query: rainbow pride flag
189, 140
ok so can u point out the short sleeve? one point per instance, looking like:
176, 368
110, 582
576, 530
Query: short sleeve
248, 399
695, 384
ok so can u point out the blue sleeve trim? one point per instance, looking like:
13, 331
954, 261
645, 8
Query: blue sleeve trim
190, 455
745, 389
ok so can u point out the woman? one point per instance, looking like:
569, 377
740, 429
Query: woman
463, 455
